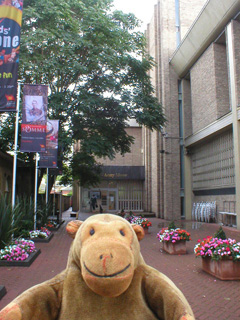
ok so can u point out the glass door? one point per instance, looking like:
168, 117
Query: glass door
112, 200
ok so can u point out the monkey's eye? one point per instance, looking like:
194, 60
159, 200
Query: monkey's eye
122, 233
92, 231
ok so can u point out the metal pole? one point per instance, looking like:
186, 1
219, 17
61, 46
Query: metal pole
36, 191
15, 150
54, 197
47, 188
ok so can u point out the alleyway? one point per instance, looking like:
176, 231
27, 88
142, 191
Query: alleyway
210, 298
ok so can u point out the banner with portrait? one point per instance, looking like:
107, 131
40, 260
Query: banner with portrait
10, 28
49, 159
34, 118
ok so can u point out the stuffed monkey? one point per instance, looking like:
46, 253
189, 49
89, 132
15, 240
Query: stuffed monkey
106, 278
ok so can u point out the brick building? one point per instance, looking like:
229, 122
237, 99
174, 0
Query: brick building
196, 157
122, 185
164, 151
197, 80
207, 65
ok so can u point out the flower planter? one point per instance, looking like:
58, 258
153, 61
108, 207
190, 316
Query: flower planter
3, 291
56, 227
222, 269
19, 263
178, 247
46, 240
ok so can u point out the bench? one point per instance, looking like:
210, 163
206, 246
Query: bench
227, 218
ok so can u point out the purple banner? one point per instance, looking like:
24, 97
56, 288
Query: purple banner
34, 118
48, 159
10, 28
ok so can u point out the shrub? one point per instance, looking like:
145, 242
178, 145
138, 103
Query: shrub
171, 225
220, 234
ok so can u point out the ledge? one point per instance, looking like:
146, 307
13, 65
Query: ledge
25, 263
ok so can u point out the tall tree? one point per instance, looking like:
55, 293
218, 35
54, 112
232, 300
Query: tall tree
97, 69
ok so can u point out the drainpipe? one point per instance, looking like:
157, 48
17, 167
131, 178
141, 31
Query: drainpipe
180, 109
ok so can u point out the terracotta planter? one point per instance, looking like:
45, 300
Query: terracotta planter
222, 269
146, 230
178, 247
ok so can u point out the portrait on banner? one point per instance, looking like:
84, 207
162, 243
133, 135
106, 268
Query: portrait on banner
34, 109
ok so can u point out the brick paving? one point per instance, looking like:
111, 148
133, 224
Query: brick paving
210, 298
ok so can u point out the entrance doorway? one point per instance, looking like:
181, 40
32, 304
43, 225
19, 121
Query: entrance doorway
107, 198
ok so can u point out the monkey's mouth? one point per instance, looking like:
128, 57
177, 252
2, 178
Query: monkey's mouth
108, 275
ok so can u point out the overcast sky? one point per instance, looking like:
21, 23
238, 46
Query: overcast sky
143, 9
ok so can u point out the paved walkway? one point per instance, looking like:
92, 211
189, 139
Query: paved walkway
210, 298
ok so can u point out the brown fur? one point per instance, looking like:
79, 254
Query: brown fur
106, 279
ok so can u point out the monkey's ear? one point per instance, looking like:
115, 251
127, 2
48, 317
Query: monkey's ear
72, 227
139, 231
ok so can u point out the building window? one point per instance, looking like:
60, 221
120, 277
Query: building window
213, 163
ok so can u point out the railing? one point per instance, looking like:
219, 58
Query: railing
228, 216
204, 211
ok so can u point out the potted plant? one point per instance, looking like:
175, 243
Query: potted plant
129, 216
220, 257
174, 240
143, 222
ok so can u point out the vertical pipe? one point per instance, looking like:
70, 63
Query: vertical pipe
15, 149
177, 22
47, 187
36, 190
232, 69
54, 197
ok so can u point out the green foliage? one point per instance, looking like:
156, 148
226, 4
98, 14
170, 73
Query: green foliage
220, 234
121, 213
43, 212
68, 195
6, 228
85, 169
26, 223
129, 216
171, 225
98, 72
66, 177
9, 221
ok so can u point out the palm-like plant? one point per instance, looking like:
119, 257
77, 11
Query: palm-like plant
9, 220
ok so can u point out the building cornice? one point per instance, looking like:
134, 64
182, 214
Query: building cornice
210, 22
